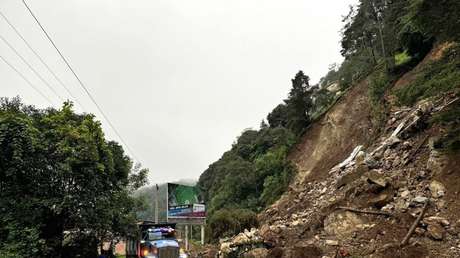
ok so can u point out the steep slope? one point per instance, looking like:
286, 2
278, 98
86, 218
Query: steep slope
357, 193
335, 135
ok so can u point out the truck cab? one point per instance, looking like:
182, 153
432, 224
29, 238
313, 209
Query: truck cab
155, 241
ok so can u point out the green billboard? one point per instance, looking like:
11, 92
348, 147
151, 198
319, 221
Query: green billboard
184, 201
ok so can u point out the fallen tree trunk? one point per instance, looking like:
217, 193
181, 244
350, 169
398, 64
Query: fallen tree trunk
414, 225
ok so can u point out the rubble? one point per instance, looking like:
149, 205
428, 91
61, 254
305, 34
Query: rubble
342, 223
395, 176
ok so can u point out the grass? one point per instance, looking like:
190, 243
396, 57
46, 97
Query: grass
402, 58
437, 77
450, 120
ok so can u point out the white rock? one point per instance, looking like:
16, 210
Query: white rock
420, 199
437, 189
405, 194
332, 242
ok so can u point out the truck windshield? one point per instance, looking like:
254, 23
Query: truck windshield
160, 234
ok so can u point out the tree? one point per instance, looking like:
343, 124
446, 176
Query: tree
62, 180
299, 103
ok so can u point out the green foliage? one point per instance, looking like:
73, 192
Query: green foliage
238, 179
323, 99
299, 103
63, 187
450, 120
439, 76
379, 82
438, 19
256, 171
293, 113
228, 222
19, 242
402, 58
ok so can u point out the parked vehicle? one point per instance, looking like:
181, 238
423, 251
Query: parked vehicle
155, 241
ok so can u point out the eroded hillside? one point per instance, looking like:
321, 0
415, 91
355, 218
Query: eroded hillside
357, 193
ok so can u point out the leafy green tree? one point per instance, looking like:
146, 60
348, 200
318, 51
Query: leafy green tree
61, 181
299, 103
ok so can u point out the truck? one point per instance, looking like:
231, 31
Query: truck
155, 240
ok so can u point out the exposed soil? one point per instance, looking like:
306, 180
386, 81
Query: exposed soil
392, 175
333, 137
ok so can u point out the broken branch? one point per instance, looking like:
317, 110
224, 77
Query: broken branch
414, 225
364, 211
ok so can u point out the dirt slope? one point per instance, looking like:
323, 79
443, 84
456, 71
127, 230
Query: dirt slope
333, 137
345, 168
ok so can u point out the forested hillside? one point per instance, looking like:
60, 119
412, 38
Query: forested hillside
256, 171
64, 189
381, 41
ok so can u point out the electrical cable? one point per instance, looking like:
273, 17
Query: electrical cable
80, 81
41, 59
30, 67
25, 79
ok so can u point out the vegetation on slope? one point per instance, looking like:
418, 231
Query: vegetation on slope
256, 172
63, 187
436, 77
380, 38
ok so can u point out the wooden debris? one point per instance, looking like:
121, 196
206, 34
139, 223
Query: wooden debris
414, 225
364, 211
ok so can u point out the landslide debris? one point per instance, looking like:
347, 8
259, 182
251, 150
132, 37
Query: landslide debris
366, 204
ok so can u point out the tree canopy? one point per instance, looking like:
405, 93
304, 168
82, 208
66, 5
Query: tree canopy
63, 186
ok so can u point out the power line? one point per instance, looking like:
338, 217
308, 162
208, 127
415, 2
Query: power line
79, 81
41, 59
30, 67
25, 79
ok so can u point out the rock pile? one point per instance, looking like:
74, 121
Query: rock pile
385, 185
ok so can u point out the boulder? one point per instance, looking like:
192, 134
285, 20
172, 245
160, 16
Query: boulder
420, 199
435, 220
437, 189
375, 177
371, 162
435, 231
352, 176
342, 224
381, 199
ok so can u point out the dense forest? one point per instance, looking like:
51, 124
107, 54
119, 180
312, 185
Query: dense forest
381, 40
64, 189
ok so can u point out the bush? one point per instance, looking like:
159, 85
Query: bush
450, 119
437, 77
229, 222
378, 84
402, 58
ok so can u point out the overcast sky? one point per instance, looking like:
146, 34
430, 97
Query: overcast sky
179, 79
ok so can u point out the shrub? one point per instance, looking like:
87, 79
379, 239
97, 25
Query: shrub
437, 77
450, 119
228, 222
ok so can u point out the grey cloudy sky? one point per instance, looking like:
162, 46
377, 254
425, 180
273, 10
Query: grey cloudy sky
179, 79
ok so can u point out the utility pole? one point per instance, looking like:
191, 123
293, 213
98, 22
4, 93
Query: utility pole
186, 237
156, 203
